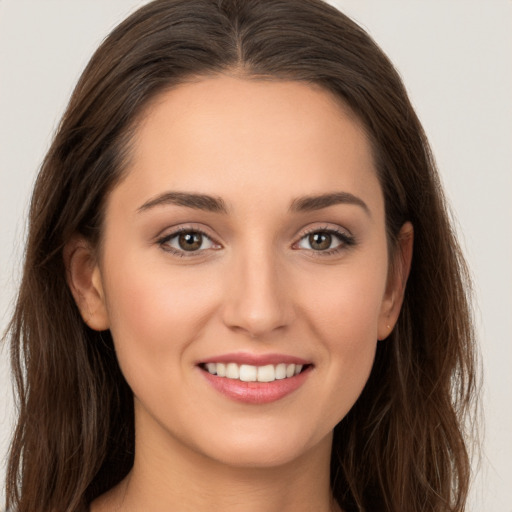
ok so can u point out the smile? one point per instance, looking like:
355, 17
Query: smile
252, 373
256, 379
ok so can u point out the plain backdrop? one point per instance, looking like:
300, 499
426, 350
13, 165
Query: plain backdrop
455, 57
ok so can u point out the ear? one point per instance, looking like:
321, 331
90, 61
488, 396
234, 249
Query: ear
397, 279
85, 282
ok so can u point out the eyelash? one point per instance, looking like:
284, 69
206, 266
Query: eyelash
346, 240
164, 241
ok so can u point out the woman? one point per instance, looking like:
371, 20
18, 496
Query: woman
221, 302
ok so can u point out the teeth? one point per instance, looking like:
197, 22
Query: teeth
232, 371
281, 371
266, 373
250, 373
221, 369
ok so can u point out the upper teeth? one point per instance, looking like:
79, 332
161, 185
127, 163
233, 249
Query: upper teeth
250, 373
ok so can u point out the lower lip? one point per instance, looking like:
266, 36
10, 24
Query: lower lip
256, 392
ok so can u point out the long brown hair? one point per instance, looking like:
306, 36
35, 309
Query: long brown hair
402, 445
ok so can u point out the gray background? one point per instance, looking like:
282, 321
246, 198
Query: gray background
455, 57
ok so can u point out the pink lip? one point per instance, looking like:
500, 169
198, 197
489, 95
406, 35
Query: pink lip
256, 392
255, 359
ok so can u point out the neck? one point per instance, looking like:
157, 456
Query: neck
169, 476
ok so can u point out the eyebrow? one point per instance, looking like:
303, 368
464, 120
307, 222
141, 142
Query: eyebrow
312, 203
217, 205
189, 200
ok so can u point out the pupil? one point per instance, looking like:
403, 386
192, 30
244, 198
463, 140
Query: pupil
190, 241
320, 241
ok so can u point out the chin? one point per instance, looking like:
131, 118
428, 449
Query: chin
265, 448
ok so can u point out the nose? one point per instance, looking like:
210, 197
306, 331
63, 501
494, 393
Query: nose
258, 297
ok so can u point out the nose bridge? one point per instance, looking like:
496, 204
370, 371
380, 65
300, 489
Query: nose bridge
256, 300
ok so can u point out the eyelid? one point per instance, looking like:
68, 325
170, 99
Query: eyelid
169, 233
345, 237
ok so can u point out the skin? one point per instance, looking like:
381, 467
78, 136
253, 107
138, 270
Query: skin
255, 285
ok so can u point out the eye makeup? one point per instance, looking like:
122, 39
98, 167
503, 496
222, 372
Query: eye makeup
188, 241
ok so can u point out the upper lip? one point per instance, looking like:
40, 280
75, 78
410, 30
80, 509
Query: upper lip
255, 359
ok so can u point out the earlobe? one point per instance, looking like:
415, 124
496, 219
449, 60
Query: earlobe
85, 282
398, 275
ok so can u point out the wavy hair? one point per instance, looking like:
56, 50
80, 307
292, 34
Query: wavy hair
402, 446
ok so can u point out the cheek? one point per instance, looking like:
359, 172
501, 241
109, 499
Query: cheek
347, 304
154, 311
344, 315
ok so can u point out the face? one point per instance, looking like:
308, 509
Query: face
244, 271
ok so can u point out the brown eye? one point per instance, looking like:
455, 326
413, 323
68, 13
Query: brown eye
320, 241
187, 241
190, 241
325, 241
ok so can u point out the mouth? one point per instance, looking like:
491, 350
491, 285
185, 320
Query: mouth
253, 373
254, 379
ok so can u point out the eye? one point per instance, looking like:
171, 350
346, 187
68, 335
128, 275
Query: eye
187, 241
326, 240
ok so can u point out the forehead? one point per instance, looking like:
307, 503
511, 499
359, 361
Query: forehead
228, 136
